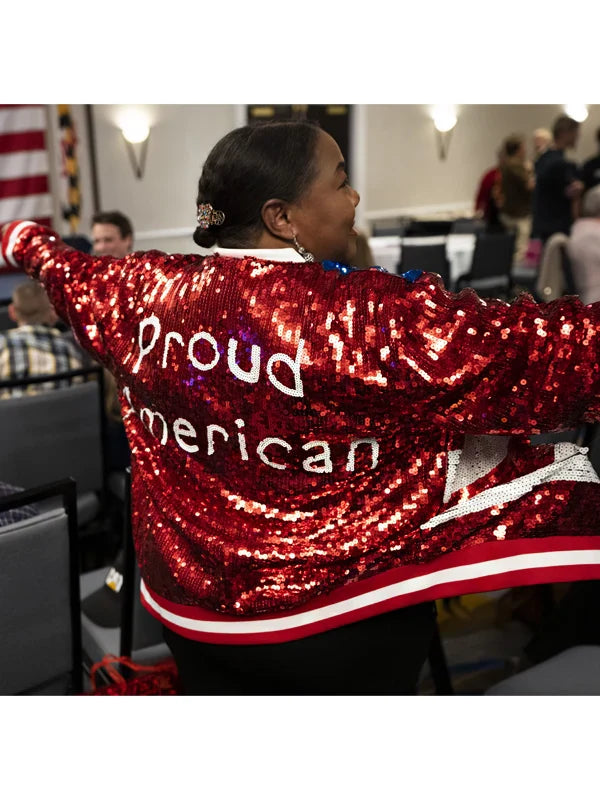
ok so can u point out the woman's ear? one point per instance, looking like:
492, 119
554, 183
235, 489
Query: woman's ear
275, 217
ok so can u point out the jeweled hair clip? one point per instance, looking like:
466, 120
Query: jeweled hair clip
208, 216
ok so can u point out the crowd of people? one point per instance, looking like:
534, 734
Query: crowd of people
544, 195
314, 442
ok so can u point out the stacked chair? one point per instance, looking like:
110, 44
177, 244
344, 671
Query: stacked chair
60, 433
40, 623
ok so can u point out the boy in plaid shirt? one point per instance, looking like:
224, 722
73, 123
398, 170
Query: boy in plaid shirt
35, 347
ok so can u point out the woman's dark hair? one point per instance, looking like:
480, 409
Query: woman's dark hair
512, 144
249, 166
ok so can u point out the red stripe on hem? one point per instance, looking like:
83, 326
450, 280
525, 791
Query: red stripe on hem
527, 577
489, 551
481, 554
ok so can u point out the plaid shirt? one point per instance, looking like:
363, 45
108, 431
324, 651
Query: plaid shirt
14, 514
35, 350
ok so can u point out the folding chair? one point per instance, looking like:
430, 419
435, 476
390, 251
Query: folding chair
40, 624
491, 267
56, 434
6, 322
575, 671
139, 635
468, 225
8, 282
426, 257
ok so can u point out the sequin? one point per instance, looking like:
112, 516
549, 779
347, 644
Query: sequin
298, 428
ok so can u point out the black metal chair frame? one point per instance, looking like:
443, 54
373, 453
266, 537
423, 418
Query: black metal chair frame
66, 489
129, 589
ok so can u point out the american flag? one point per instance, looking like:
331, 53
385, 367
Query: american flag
24, 164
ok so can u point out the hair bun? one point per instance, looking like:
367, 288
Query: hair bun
205, 237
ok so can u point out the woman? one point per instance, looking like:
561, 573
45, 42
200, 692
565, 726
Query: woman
319, 452
583, 247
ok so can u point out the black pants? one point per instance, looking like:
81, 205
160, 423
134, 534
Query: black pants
574, 621
381, 655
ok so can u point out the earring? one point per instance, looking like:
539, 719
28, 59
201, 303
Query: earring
304, 253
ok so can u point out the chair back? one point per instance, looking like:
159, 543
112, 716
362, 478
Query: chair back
567, 270
468, 225
428, 227
389, 227
54, 434
9, 281
40, 625
6, 322
493, 256
426, 257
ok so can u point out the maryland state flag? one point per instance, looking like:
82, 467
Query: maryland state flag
70, 196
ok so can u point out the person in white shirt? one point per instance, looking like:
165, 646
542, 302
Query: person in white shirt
584, 248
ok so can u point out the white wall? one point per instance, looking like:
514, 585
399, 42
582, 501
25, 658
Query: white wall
403, 167
395, 158
164, 199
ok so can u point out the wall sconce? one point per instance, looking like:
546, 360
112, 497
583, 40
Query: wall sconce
577, 111
136, 134
444, 119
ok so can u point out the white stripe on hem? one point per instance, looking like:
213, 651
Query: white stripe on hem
560, 558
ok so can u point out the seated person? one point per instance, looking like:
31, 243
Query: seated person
35, 346
584, 248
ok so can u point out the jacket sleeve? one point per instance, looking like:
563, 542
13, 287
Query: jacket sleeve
482, 366
91, 294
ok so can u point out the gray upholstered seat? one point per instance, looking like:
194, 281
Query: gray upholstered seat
36, 620
53, 435
573, 672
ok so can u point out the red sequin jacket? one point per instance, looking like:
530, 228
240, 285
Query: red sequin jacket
313, 445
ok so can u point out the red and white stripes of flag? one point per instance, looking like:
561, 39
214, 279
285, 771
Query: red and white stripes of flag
24, 164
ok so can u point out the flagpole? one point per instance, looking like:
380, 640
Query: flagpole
93, 163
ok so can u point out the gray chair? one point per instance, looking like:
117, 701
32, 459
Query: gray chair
491, 267
426, 257
468, 225
9, 281
56, 434
40, 626
575, 671
140, 635
6, 322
